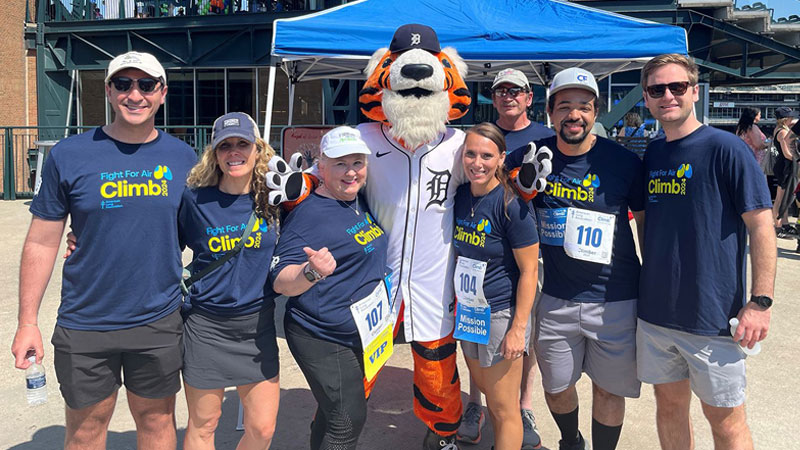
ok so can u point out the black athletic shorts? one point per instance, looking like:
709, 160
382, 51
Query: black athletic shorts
91, 365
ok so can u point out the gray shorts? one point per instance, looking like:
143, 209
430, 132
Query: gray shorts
229, 351
90, 364
714, 365
596, 338
489, 354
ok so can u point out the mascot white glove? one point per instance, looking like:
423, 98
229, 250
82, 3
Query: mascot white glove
285, 180
536, 166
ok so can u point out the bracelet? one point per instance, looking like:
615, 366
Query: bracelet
23, 325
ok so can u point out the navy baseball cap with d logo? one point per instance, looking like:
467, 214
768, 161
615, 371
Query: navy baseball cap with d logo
414, 35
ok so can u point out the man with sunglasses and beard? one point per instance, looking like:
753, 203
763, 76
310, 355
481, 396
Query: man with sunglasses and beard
120, 185
705, 195
586, 315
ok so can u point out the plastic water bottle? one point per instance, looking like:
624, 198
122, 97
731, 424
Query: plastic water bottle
734, 322
35, 383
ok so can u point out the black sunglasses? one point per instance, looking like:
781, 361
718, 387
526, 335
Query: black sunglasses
124, 84
514, 91
677, 88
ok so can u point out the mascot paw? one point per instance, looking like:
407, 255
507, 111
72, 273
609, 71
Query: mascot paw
536, 166
285, 180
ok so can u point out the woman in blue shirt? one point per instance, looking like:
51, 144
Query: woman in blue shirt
331, 261
229, 319
497, 244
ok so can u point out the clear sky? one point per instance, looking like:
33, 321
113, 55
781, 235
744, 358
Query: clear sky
783, 8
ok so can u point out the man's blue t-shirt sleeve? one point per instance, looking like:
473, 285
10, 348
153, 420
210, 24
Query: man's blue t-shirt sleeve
748, 186
52, 201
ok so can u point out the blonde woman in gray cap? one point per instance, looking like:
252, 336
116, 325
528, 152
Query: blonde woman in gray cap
229, 308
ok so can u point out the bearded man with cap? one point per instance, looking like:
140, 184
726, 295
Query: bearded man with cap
121, 186
586, 315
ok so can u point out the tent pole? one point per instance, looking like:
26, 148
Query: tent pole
270, 101
291, 102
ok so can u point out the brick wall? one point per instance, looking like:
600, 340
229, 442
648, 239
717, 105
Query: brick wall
17, 68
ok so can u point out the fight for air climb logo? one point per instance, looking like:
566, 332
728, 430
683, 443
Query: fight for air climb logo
571, 188
224, 238
123, 184
471, 232
669, 182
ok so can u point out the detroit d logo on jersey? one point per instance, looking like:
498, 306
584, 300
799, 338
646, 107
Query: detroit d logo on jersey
437, 186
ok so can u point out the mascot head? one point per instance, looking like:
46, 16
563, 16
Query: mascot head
415, 86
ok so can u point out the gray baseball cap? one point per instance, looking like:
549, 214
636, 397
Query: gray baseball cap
234, 124
512, 76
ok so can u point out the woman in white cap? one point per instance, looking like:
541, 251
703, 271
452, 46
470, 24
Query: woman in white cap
229, 324
331, 262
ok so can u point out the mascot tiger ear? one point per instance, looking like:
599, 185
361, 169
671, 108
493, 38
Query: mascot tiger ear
460, 98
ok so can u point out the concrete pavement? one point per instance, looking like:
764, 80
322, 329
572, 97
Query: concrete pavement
772, 391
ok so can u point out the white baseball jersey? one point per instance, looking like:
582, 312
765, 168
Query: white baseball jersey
412, 196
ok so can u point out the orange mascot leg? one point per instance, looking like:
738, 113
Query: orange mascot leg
437, 388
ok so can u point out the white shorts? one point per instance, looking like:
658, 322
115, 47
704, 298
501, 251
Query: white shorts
714, 365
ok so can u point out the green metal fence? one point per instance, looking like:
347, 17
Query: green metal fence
19, 152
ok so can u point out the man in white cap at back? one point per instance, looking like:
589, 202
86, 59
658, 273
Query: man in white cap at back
121, 186
586, 315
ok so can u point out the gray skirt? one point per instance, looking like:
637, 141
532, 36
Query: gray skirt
229, 351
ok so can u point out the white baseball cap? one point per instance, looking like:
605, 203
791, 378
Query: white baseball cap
512, 76
343, 141
574, 78
145, 62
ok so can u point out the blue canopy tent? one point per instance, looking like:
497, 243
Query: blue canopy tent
538, 37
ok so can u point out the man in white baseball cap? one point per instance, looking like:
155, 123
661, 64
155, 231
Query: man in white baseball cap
586, 315
120, 185
145, 62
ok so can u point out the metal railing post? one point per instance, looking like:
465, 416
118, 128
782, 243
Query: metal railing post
9, 185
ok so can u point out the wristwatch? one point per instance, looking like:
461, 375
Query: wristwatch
311, 275
761, 300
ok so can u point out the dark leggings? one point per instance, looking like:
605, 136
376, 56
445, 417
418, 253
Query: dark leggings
336, 377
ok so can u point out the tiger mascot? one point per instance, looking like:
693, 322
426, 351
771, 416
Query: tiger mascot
413, 89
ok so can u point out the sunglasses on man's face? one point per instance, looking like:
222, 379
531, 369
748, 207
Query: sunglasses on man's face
124, 84
513, 92
677, 88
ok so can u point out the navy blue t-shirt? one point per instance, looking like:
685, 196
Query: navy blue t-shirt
520, 138
607, 179
122, 200
693, 274
211, 222
489, 235
357, 243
